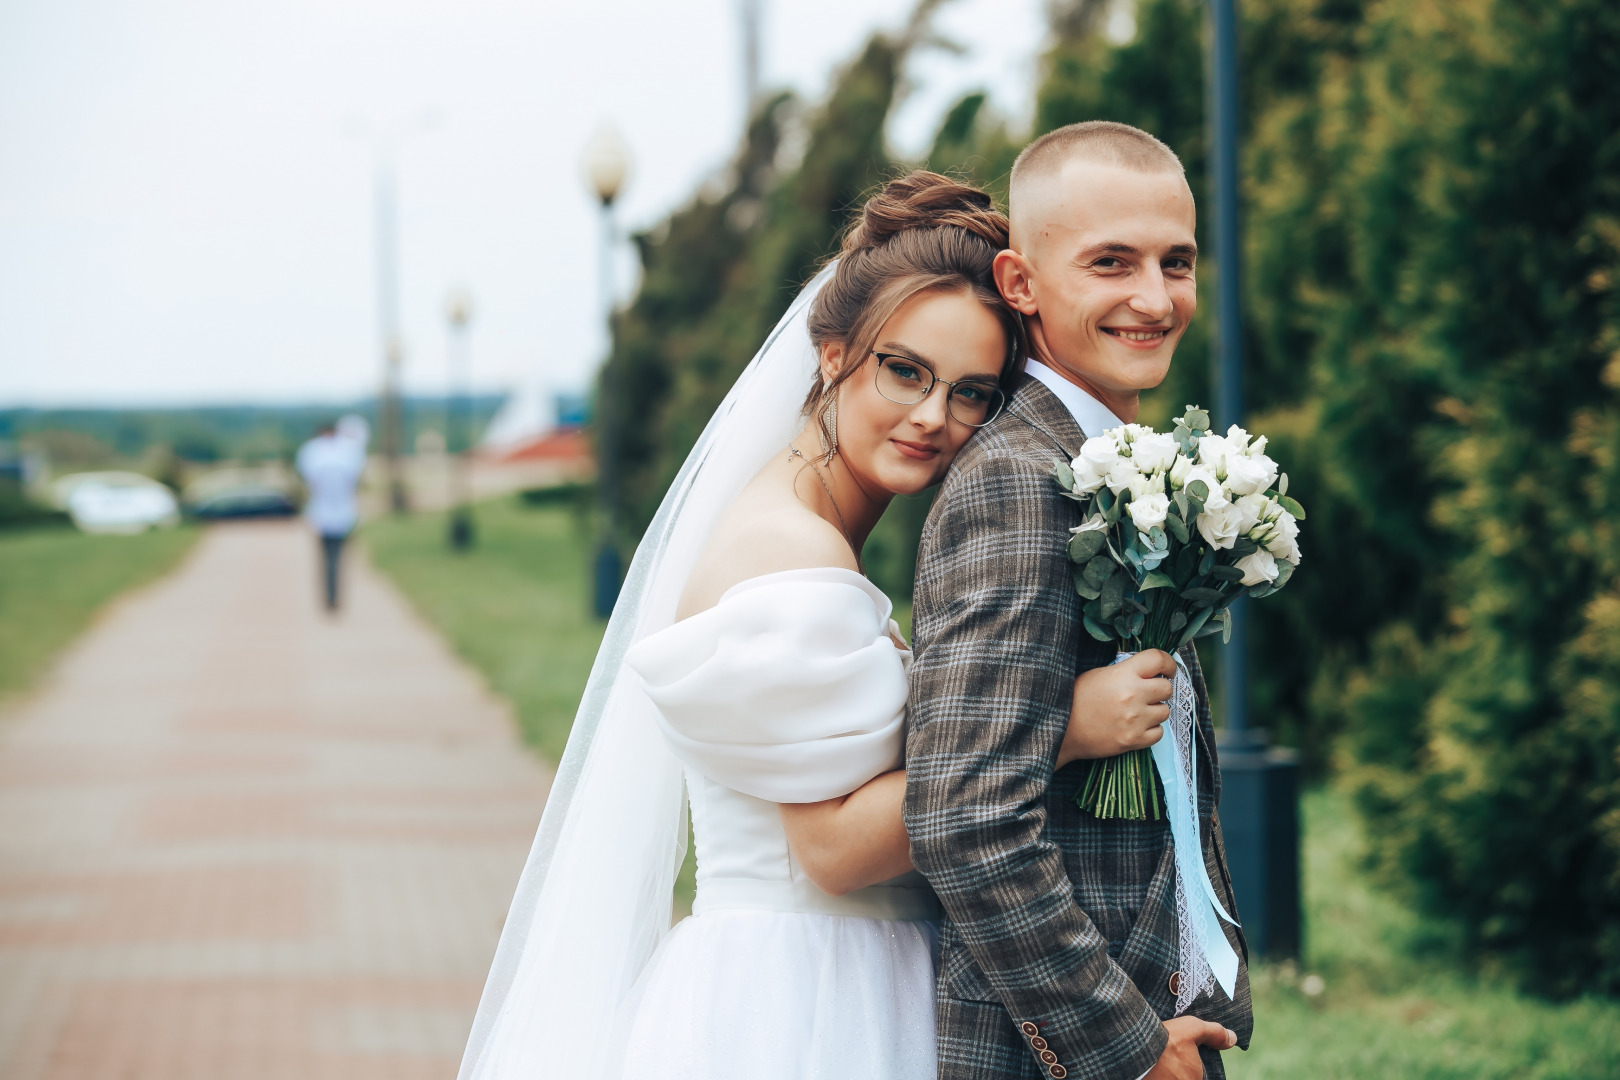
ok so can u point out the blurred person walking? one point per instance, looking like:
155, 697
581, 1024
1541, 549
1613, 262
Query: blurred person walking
331, 464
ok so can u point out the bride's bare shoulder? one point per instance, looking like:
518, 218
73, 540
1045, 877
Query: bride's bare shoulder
764, 536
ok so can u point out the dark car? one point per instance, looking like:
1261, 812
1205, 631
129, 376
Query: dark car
243, 501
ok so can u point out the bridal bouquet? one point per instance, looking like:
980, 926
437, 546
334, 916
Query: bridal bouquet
1178, 526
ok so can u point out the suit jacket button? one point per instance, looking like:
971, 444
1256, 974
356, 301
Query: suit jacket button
1038, 1043
1175, 982
1048, 1058
1029, 1029
1058, 1072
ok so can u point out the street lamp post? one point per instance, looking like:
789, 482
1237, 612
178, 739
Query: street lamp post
607, 163
1259, 784
387, 239
458, 419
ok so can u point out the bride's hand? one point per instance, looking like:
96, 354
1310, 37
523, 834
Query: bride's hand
1118, 708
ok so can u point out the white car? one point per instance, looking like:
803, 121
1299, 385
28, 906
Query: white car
116, 502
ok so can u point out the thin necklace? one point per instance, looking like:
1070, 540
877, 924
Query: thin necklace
843, 527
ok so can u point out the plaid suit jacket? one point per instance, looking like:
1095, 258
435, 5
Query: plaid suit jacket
1059, 937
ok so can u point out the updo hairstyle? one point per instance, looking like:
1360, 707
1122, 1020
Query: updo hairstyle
921, 232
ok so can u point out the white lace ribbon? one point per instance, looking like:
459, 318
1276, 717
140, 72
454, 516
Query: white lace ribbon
1206, 956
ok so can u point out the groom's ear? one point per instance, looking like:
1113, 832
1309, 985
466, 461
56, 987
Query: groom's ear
1016, 280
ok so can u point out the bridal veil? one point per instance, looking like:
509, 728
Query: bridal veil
594, 898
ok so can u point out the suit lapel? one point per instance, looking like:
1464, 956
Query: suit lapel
1038, 407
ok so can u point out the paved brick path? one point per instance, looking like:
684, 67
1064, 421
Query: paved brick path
239, 839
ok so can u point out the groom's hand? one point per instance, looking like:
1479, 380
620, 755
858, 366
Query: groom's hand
1180, 1058
1118, 708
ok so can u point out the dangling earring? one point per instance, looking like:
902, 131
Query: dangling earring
829, 427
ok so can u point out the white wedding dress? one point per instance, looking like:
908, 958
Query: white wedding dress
791, 689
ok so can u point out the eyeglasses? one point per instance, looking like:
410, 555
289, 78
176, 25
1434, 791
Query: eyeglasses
904, 381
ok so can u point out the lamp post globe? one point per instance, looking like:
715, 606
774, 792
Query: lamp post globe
607, 163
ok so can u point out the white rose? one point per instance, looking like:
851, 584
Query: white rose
1121, 475
1249, 475
1144, 484
1217, 493
1100, 452
1154, 453
1257, 568
1283, 542
1252, 510
1149, 510
1215, 451
1218, 525
1086, 478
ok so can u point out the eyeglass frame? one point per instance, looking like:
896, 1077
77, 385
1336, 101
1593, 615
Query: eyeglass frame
935, 379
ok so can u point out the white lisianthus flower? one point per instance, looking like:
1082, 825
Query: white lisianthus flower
1149, 510
1153, 452
1257, 447
1121, 475
1250, 475
1237, 439
1145, 484
1086, 478
1132, 432
1214, 451
1179, 470
1095, 523
1219, 525
1283, 540
1100, 451
1252, 510
1258, 568
1217, 493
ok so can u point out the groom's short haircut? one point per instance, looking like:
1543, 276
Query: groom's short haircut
1103, 141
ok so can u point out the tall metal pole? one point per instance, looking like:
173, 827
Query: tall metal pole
749, 11
1260, 785
609, 568
1228, 354
458, 421
387, 240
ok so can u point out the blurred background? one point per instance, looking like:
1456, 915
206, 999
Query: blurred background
531, 245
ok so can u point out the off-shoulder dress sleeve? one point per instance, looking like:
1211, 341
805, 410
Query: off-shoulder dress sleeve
790, 689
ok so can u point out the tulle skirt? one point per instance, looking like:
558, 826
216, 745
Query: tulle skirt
740, 994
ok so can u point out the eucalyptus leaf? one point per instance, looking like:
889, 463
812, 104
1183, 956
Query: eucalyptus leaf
1156, 538
1136, 560
1083, 545
1282, 486
1226, 631
1094, 610
1197, 624
1201, 596
1082, 586
1064, 474
1244, 547
1122, 627
1157, 579
1207, 561
1177, 621
1197, 490
1285, 571
1136, 605
1197, 419
1177, 527
1226, 573
1105, 499
1138, 621
1112, 596
1264, 589
1292, 506
1096, 631
1186, 565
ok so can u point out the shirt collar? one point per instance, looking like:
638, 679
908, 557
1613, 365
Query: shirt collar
1092, 415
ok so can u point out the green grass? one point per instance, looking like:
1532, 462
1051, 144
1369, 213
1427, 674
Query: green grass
53, 580
1396, 1005
516, 606
1394, 1001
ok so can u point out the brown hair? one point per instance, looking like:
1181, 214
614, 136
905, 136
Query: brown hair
1098, 140
921, 232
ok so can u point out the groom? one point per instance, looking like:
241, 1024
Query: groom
1058, 950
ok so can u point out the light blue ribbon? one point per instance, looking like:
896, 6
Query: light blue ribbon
1184, 835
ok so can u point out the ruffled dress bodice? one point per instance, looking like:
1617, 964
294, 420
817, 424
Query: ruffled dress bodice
791, 689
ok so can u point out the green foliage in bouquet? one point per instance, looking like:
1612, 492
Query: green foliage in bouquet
1178, 527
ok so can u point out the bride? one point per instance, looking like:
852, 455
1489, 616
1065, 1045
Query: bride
753, 673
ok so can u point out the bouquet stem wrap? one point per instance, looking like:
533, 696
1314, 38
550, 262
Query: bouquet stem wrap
1206, 956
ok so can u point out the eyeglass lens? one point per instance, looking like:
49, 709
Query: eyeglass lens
906, 383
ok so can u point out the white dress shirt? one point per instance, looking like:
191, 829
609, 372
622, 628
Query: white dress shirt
1092, 415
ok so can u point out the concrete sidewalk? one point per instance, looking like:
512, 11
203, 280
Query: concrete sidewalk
240, 839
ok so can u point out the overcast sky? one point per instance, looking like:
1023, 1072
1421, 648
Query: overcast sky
185, 205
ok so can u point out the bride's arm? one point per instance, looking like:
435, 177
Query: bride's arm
859, 839
854, 840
